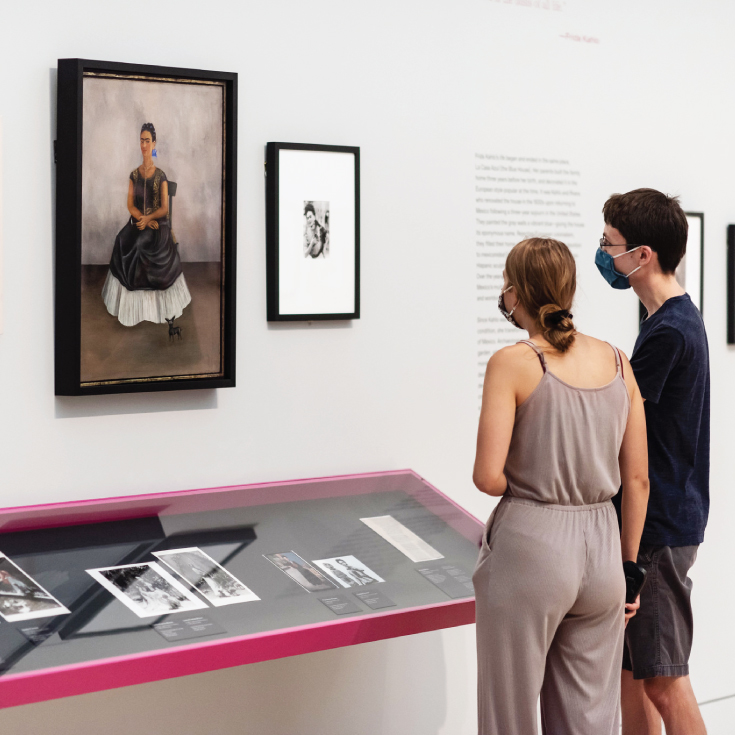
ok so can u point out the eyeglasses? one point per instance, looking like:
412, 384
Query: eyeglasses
605, 244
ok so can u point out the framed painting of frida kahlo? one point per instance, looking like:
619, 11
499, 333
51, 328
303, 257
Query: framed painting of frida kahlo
312, 232
145, 228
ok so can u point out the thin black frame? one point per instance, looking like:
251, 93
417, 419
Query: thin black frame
642, 309
272, 235
731, 284
68, 275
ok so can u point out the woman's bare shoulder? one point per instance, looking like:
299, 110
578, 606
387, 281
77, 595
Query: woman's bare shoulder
592, 343
512, 356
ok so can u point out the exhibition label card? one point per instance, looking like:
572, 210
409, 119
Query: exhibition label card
450, 579
348, 571
22, 598
182, 629
405, 540
340, 605
374, 599
211, 580
147, 589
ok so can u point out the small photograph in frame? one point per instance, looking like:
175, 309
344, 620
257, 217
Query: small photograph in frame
690, 271
22, 598
312, 232
145, 232
300, 571
147, 589
211, 580
348, 571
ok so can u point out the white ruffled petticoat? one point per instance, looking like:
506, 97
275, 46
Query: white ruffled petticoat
132, 307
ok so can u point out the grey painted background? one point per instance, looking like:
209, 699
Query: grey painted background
188, 122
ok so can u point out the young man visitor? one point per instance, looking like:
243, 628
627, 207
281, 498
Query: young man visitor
644, 241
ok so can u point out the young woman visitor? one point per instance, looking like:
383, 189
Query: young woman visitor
562, 425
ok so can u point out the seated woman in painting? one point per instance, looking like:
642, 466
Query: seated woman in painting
145, 281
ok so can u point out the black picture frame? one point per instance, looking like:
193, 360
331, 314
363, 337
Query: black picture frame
731, 284
696, 219
275, 313
68, 256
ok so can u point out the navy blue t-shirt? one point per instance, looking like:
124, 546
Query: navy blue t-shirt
671, 364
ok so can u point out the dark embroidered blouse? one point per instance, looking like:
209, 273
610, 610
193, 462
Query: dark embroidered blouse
147, 192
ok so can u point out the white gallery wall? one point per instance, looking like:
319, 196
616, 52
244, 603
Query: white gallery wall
633, 93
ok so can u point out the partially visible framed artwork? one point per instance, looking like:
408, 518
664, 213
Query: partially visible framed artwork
731, 284
312, 232
145, 228
690, 272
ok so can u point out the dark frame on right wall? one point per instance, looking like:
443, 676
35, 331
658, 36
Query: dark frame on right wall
312, 232
690, 273
731, 284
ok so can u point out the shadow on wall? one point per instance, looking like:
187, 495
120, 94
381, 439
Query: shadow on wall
349, 691
74, 407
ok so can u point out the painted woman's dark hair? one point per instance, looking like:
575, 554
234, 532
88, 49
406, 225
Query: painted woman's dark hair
149, 127
308, 207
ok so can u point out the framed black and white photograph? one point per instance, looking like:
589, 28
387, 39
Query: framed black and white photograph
206, 576
145, 228
22, 598
147, 589
300, 571
348, 571
690, 271
312, 232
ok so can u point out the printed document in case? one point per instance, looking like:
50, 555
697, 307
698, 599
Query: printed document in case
405, 540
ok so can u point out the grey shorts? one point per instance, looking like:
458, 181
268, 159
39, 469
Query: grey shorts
658, 638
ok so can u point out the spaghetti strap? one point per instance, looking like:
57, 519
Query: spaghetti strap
618, 361
537, 350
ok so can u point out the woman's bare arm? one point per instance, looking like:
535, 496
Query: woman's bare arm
633, 461
496, 422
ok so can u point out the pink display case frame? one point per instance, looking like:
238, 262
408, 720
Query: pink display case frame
194, 658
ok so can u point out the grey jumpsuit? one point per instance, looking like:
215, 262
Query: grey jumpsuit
549, 584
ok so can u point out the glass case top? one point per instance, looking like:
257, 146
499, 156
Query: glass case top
82, 582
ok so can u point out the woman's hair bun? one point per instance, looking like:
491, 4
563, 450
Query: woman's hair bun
557, 326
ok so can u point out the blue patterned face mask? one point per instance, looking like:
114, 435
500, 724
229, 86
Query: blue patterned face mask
605, 264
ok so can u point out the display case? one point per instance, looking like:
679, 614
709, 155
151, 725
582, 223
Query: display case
286, 568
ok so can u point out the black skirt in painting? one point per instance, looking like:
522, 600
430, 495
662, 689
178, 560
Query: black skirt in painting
145, 258
145, 280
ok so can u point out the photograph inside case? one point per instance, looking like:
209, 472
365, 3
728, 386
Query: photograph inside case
313, 231
211, 580
348, 571
300, 571
147, 589
22, 598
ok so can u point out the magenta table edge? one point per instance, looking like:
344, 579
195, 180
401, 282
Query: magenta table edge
64, 681
197, 491
113, 673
